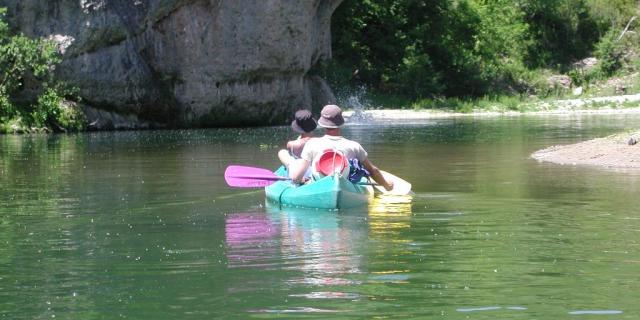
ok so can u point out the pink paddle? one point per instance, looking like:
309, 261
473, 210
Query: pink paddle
250, 177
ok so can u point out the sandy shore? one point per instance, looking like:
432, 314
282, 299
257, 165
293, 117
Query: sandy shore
612, 152
616, 151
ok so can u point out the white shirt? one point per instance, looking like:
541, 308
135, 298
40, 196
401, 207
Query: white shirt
316, 146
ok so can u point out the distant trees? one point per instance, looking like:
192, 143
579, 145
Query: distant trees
419, 48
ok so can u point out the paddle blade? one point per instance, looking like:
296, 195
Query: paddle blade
400, 186
250, 177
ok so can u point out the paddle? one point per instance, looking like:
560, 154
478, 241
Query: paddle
251, 177
400, 186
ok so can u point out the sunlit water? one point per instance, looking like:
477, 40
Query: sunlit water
141, 225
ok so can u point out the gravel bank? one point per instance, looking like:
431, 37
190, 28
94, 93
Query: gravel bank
612, 152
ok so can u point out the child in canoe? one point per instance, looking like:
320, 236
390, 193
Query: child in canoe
304, 124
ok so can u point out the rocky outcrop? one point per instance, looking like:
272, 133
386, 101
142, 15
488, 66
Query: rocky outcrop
187, 62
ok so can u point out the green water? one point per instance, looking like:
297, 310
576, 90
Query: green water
141, 225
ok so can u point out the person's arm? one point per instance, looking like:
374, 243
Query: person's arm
297, 168
377, 175
295, 144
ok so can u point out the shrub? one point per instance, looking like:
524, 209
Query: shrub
609, 53
29, 93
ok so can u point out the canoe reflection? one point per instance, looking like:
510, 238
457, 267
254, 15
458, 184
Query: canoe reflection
327, 247
323, 244
252, 240
389, 214
389, 225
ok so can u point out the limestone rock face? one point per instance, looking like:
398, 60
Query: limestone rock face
188, 62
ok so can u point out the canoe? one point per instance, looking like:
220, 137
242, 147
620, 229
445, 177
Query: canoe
330, 192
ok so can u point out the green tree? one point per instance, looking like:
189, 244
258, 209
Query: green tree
29, 93
609, 53
462, 48
612, 13
562, 31
501, 41
423, 48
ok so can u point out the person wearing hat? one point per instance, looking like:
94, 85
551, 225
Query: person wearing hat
331, 119
304, 124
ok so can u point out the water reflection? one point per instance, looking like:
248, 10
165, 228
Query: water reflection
321, 244
317, 255
389, 219
389, 214
304, 254
251, 240
324, 243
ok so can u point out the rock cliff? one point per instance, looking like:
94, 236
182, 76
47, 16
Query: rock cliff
186, 62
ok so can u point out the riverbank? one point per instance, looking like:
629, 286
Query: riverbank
624, 104
400, 114
615, 151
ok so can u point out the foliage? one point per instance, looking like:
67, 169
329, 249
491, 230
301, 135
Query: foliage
30, 96
614, 13
562, 32
609, 53
472, 48
418, 75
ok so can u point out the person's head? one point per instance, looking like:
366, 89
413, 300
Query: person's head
304, 123
331, 117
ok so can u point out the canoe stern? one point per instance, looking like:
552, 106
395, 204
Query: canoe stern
331, 192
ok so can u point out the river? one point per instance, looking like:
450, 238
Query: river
141, 224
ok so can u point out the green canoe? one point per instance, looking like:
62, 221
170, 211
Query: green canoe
330, 192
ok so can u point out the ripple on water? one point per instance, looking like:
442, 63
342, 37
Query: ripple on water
323, 281
490, 308
600, 312
295, 310
390, 278
478, 309
328, 295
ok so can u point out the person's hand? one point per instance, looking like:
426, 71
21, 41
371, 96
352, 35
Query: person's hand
389, 186
302, 181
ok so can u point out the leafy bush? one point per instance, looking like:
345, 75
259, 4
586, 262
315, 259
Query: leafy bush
418, 76
609, 54
30, 96
474, 48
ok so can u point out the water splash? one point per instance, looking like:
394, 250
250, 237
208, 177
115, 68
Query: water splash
358, 102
